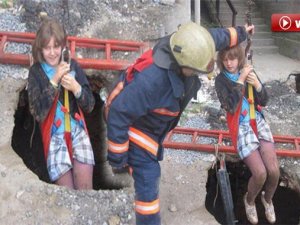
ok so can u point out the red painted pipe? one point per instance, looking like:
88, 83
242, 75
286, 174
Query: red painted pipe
219, 135
106, 46
25, 36
102, 64
16, 59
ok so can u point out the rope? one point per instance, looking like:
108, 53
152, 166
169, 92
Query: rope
220, 157
249, 57
294, 73
216, 167
32, 134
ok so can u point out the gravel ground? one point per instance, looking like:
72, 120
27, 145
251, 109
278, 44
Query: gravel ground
10, 21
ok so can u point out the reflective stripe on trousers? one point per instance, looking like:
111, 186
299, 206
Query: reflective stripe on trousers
143, 140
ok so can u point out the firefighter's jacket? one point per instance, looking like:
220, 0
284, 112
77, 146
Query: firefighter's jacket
150, 105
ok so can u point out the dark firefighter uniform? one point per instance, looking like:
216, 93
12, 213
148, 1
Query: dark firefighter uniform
147, 104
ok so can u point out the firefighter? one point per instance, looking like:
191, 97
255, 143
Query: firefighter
148, 101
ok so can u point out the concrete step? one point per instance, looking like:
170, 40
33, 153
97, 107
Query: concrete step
238, 8
235, 1
265, 50
262, 28
224, 5
228, 14
242, 21
262, 35
263, 42
258, 27
243, 2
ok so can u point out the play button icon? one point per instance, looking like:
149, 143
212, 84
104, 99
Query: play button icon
285, 22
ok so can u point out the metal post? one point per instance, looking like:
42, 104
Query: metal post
187, 5
218, 7
197, 6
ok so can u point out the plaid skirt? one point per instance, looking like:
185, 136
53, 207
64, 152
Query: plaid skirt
247, 140
58, 161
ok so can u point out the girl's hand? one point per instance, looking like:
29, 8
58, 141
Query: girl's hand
253, 80
249, 29
61, 70
244, 73
70, 83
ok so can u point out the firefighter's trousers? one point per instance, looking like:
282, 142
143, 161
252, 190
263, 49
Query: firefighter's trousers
146, 174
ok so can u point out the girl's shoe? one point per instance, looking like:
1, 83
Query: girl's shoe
250, 211
269, 209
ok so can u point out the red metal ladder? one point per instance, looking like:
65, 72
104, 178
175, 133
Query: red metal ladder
220, 135
107, 47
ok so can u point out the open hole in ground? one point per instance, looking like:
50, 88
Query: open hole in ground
286, 201
27, 142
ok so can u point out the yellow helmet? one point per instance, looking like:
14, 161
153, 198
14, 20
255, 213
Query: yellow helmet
193, 47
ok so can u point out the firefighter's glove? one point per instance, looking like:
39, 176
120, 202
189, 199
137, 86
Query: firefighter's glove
120, 170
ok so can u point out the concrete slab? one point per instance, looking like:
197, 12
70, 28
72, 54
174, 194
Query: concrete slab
274, 66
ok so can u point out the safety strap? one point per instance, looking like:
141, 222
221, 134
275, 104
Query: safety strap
46, 126
141, 63
252, 108
67, 112
249, 55
67, 123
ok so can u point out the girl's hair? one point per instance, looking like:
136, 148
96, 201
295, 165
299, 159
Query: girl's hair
231, 53
49, 28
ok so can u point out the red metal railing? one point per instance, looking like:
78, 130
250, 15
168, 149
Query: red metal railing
105, 46
221, 136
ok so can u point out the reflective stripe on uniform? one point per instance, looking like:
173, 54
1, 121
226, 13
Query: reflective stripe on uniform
165, 112
233, 36
119, 87
118, 148
147, 208
143, 140
116, 91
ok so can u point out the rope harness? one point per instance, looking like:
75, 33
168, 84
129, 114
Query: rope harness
249, 55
